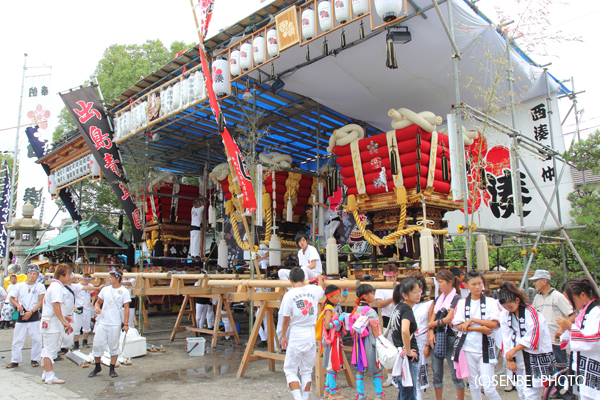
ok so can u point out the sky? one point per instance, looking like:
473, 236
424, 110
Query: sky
70, 37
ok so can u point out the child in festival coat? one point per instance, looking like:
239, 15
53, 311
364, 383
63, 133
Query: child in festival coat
330, 327
527, 344
582, 335
364, 354
475, 318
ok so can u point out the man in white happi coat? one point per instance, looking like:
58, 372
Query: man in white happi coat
54, 321
196, 227
108, 329
27, 298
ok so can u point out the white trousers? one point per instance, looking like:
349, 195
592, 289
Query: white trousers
262, 332
299, 358
77, 323
107, 335
204, 312
525, 393
225, 320
67, 340
86, 323
284, 274
51, 345
194, 243
19, 334
481, 375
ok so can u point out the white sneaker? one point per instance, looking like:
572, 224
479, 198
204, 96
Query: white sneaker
54, 379
388, 381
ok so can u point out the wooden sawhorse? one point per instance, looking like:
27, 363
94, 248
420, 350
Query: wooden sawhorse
194, 328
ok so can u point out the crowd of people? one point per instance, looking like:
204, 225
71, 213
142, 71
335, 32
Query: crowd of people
457, 323
55, 316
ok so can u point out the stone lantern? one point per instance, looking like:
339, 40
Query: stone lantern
25, 234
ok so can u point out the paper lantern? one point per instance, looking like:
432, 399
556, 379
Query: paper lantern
388, 9
427, 253
360, 7
185, 93
272, 48
342, 11
332, 257
223, 252
246, 56
324, 11
52, 184
274, 256
220, 77
259, 50
481, 249
199, 85
234, 63
176, 104
308, 23
94, 167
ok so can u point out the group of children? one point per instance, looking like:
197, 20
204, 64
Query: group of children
471, 332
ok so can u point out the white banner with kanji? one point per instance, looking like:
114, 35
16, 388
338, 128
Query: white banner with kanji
489, 177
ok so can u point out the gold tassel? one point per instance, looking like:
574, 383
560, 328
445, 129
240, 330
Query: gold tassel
361, 31
343, 39
391, 62
325, 48
351, 203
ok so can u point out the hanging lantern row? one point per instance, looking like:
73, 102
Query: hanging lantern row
84, 166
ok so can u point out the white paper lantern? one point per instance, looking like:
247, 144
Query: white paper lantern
176, 104
272, 47
52, 184
308, 23
94, 167
259, 50
220, 77
342, 11
222, 252
212, 217
246, 56
199, 86
360, 7
274, 256
388, 9
324, 11
185, 93
126, 122
234, 63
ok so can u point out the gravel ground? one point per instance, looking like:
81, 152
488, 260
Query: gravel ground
175, 375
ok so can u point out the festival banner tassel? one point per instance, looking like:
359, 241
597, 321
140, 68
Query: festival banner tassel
391, 62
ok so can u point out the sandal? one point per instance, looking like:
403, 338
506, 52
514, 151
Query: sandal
506, 390
35, 364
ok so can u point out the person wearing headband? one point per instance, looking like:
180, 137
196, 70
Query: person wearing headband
54, 321
27, 298
112, 299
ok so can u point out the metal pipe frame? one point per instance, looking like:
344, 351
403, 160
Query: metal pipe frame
562, 231
449, 33
516, 234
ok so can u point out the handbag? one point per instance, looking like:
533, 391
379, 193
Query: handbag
441, 339
387, 353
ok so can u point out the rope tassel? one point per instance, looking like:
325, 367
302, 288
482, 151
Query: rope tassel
361, 30
391, 62
325, 48
307, 53
394, 162
343, 39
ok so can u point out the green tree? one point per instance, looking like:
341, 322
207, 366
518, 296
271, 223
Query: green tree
65, 125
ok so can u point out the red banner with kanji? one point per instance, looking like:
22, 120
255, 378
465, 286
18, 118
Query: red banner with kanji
88, 113
236, 158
